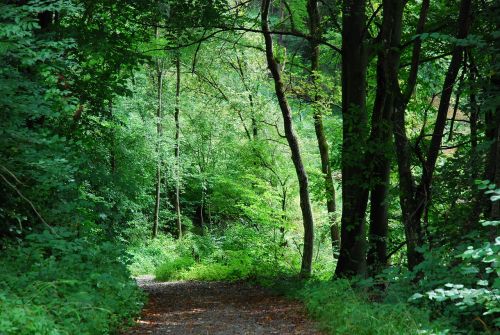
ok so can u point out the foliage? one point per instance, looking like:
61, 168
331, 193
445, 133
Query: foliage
341, 308
58, 283
241, 253
148, 255
471, 289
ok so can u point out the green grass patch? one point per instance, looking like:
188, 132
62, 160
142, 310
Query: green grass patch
340, 308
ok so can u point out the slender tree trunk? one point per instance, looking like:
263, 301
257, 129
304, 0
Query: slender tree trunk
406, 180
493, 159
493, 126
475, 158
255, 128
159, 82
112, 149
457, 101
315, 30
305, 203
380, 137
424, 191
415, 200
177, 203
352, 258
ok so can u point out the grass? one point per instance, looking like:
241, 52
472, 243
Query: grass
341, 309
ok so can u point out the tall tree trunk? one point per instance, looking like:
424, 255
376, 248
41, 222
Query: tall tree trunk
493, 124
159, 83
305, 203
380, 137
177, 203
352, 258
415, 200
494, 164
493, 159
475, 158
315, 31
403, 151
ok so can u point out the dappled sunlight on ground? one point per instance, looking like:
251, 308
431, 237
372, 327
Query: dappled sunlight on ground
218, 308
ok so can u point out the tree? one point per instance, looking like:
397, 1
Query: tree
414, 200
159, 135
379, 152
305, 203
177, 203
315, 31
352, 258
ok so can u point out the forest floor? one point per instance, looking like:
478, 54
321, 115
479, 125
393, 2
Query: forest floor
216, 308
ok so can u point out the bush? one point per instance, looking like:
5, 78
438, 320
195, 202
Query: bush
147, 256
341, 309
239, 253
61, 284
171, 269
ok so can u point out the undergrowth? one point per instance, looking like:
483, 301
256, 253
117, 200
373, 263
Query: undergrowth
242, 253
340, 308
58, 283
148, 255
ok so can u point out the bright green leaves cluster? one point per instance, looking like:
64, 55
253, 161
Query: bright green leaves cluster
235, 253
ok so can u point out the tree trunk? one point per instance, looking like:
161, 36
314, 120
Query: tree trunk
305, 203
493, 127
415, 200
352, 258
493, 159
159, 79
380, 138
494, 162
177, 203
403, 155
475, 158
315, 31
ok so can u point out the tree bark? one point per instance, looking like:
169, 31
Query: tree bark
315, 31
415, 199
493, 160
493, 127
177, 203
403, 151
352, 258
159, 79
305, 203
380, 137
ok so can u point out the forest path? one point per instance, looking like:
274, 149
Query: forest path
216, 308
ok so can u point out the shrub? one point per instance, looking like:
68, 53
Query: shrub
171, 269
61, 284
342, 309
147, 256
239, 253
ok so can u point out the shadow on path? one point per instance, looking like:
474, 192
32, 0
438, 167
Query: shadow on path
216, 308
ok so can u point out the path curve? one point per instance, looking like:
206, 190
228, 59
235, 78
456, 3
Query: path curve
217, 308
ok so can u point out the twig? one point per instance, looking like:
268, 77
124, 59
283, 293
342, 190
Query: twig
25, 199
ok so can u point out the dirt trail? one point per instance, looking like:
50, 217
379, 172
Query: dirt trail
218, 308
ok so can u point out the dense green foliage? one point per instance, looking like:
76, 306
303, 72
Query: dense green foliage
57, 283
341, 308
167, 138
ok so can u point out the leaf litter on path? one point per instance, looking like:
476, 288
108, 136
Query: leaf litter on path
218, 308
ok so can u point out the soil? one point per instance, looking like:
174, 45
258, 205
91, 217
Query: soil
216, 308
